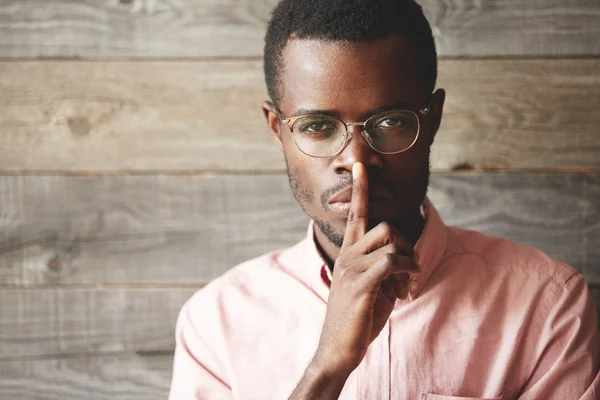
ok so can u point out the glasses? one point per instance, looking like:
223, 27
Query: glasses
324, 136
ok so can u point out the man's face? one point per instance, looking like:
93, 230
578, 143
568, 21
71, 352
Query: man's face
352, 81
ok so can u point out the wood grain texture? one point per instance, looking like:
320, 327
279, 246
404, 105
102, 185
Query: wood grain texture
53, 321
140, 229
133, 116
198, 116
136, 28
176, 229
504, 27
203, 28
119, 377
557, 213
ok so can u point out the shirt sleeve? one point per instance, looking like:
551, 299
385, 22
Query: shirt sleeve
567, 353
195, 367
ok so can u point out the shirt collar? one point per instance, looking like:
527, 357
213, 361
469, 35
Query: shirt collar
306, 263
431, 247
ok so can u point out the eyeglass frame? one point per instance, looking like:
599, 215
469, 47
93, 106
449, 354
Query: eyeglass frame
290, 124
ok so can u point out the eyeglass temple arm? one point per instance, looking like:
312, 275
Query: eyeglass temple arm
427, 108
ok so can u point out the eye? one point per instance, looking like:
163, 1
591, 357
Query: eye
314, 127
390, 122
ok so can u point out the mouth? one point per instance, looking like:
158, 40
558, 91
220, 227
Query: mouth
340, 202
340, 207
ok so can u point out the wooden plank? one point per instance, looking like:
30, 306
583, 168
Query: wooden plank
203, 28
505, 27
140, 229
177, 229
132, 116
132, 28
117, 377
557, 213
46, 322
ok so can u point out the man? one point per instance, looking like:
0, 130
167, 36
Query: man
381, 300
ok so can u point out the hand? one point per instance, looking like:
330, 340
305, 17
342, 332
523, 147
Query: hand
371, 272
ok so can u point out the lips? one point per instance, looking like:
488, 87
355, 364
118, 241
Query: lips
339, 203
376, 193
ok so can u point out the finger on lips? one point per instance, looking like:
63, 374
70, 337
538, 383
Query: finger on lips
383, 254
358, 217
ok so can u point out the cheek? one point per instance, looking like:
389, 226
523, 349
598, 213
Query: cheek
301, 176
300, 185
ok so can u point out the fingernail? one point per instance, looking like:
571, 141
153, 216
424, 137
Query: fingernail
355, 170
416, 257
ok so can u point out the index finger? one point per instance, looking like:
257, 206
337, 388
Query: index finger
358, 216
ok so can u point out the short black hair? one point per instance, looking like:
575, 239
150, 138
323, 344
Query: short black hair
348, 21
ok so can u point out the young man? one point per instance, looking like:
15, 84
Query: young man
381, 300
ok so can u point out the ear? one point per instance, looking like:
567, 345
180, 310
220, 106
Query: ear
437, 108
271, 115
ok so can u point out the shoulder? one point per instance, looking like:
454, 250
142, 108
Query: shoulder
265, 283
506, 258
242, 281
522, 281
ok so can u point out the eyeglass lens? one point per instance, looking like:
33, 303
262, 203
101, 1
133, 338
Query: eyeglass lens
324, 136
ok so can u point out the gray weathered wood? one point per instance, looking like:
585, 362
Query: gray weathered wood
117, 377
504, 27
557, 213
161, 28
140, 229
183, 116
132, 28
178, 229
52, 321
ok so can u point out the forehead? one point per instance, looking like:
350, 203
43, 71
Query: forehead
349, 78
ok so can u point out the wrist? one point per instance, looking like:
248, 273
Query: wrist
320, 381
323, 368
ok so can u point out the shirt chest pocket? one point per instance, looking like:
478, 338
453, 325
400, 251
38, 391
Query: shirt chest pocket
431, 396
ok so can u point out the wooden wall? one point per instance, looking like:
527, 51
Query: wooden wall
121, 175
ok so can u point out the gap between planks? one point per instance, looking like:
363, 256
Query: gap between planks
101, 286
459, 169
142, 59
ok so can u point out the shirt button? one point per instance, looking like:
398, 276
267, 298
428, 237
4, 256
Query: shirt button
413, 285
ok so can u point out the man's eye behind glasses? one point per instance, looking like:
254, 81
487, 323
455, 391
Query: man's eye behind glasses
395, 123
389, 123
318, 128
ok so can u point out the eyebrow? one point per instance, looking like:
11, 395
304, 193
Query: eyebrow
372, 111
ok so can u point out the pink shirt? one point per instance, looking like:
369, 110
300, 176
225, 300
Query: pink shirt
486, 319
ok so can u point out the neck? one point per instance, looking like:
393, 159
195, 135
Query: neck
411, 228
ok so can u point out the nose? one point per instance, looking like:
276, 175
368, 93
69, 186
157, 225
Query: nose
357, 150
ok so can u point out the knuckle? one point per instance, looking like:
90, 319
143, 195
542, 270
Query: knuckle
390, 260
387, 232
390, 235
352, 216
393, 248
344, 272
